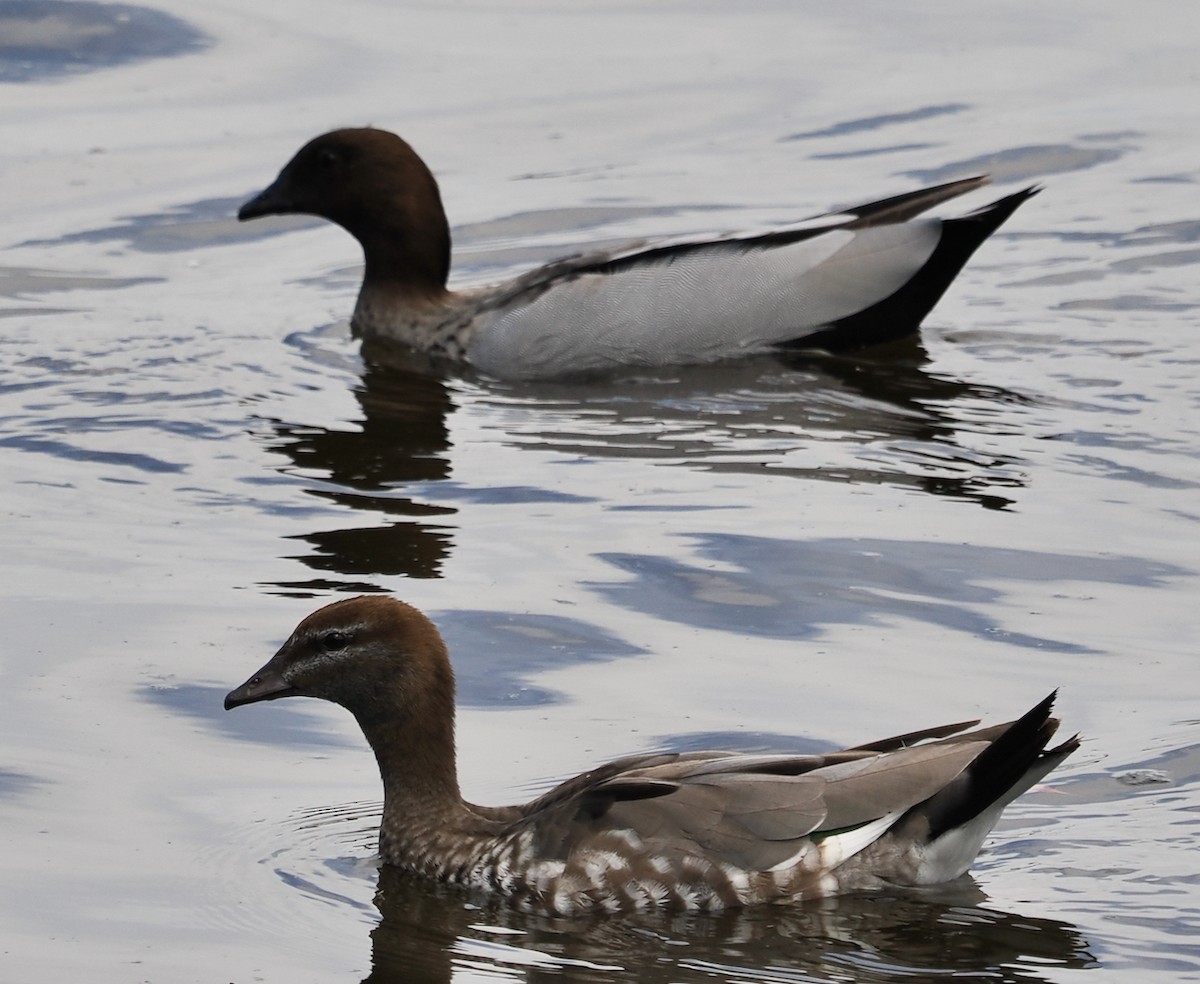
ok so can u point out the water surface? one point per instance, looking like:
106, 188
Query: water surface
777, 554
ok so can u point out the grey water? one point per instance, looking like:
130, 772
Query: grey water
782, 554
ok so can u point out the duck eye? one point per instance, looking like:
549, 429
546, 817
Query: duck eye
335, 641
327, 157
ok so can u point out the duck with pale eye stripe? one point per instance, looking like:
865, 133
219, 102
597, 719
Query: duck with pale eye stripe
691, 830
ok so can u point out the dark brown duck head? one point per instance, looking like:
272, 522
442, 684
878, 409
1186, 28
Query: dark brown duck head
384, 662
372, 184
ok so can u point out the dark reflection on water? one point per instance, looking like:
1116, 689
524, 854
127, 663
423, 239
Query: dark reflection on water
496, 652
14, 783
411, 549
71, 451
289, 725
873, 420
783, 588
880, 419
401, 440
18, 283
1034, 162
428, 933
184, 227
1162, 776
884, 121
877, 418
41, 38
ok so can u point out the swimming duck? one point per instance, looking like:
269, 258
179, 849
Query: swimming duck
840, 281
689, 830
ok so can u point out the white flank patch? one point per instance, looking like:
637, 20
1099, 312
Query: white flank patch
834, 850
709, 304
952, 854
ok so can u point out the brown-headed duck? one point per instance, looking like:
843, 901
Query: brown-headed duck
840, 281
689, 830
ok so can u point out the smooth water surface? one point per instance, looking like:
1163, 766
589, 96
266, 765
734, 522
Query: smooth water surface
772, 554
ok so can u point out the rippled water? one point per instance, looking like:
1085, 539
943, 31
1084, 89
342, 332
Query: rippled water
773, 554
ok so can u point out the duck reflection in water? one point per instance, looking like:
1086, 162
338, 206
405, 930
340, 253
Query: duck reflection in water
875, 418
847, 420
429, 932
401, 440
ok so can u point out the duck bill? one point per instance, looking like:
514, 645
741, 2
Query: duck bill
267, 684
273, 200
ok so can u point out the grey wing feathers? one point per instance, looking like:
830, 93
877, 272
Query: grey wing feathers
748, 810
762, 812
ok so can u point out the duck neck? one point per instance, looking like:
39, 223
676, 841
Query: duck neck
406, 247
416, 760
422, 805
393, 270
